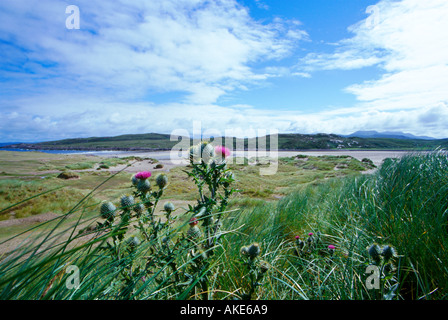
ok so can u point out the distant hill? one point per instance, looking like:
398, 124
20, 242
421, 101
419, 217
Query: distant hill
387, 134
5, 144
293, 141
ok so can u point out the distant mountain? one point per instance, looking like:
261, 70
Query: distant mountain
387, 134
4, 144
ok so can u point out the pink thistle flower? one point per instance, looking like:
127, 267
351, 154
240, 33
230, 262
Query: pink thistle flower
310, 234
297, 237
331, 247
222, 151
143, 175
193, 222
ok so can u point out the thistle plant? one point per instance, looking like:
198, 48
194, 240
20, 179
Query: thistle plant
138, 209
256, 268
384, 259
158, 249
213, 180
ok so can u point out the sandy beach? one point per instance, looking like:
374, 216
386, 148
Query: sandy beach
170, 159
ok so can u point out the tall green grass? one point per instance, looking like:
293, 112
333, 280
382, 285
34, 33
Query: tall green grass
404, 204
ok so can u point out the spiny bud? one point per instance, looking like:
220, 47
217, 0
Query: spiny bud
194, 153
134, 180
161, 180
253, 250
133, 242
374, 252
107, 210
139, 208
143, 185
244, 251
168, 207
194, 232
207, 151
388, 252
127, 201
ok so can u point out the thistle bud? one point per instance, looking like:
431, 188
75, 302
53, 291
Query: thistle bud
161, 180
194, 232
253, 250
139, 208
133, 242
374, 252
107, 210
168, 207
134, 180
127, 201
207, 151
143, 185
388, 252
194, 153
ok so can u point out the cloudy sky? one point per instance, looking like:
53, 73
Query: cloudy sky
333, 66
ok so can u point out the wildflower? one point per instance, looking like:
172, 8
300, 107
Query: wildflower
222, 151
331, 248
143, 175
299, 242
310, 237
107, 210
193, 222
162, 180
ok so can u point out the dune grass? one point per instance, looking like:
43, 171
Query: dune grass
404, 205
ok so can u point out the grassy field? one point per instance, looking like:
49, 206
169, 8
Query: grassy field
403, 205
27, 174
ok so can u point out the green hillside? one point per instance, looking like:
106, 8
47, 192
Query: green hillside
156, 141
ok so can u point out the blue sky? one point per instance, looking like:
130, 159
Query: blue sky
234, 67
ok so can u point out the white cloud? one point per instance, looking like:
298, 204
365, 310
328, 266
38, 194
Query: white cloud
202, 48
407, 41
96, 81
